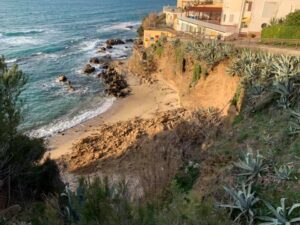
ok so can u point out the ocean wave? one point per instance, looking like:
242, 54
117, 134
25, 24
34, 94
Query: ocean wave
62, 125
18, 41
120, 26
89, 45
22, 33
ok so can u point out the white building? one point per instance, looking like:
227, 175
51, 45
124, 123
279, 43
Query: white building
227, 17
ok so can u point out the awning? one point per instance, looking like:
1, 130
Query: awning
204, 9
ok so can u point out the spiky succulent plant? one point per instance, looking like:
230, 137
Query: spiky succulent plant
284, 172
285, 67
252, 165
288, 93
244, 202
294, 122
282, 215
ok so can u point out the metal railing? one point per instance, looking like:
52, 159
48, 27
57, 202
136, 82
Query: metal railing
212, 26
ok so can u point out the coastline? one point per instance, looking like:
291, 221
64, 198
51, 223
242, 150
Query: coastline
145, 101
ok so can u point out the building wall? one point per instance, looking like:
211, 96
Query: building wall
153, 36
171, 19
232, 12
265, 10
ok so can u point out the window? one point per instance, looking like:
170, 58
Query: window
249, 6
224, 17
270, 9
231, 18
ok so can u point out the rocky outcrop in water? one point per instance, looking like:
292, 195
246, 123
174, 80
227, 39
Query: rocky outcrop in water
89, 69
62, 78
116, 85
95, 60
112, 42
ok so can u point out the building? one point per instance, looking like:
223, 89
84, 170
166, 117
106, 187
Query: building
151, 36
226, 18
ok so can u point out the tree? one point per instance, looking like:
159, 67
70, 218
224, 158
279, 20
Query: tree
293, 19
21, 170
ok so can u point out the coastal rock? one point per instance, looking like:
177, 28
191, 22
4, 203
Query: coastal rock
62, 78
129, 40
71, 88
95, 60
129, 27
116, 85
102, 49
109, 46
112, 42
89, 69
105, 66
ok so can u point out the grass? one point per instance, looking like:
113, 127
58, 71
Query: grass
281, 31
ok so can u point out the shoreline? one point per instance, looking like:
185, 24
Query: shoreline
145, 101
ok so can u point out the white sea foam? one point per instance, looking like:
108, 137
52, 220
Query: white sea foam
63, 124
18, 41
11, 60
89, 45
119, 26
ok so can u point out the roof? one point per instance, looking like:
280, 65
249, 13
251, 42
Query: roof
204, 9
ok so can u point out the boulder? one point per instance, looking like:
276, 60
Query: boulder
62, 78
129, 27
89, 69
102, 49
95, 60
114, 42
109, 46
71, 88
129, 40
105, 66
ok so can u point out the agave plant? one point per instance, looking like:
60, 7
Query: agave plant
287, 93
244, 202
284, 172
286, 67
282, 215
295, 122
252, 165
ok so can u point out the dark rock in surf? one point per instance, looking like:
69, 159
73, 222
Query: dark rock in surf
112, 42
95, 60
89, 69
62, 78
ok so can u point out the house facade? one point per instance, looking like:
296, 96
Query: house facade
226, 18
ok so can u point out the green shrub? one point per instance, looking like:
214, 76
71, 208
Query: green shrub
186, 176
293, 19
196, 73
281, 31
20, 156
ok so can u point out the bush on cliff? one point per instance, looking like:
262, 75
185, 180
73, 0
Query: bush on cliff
153, 20
21, 171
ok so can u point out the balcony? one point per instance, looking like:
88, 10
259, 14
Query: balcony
210, 24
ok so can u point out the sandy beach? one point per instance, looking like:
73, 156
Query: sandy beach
145, 101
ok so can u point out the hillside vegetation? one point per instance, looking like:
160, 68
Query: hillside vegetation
232, 158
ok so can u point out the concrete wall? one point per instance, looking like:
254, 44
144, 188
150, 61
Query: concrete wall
232, 12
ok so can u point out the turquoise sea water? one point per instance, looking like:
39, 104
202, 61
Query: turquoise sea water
51, 37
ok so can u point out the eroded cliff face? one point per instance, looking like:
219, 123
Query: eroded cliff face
214, 89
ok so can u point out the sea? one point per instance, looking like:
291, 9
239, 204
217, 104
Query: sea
47, 38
